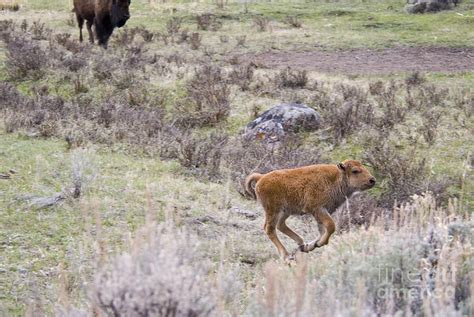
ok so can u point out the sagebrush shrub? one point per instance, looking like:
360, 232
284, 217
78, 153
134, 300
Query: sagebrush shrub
261, 23
293, 21
361, 210
404, 172
242, 75
173, 25
163, 276
208, 21
201, 155
291, 78
209, 94
25, 58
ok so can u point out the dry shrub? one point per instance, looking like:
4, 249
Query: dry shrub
431, 120
283, 292
241, 39
39, 31
195, 40
244, 157
74, 63
64, 39
80, 86
261, 23
392, 110
114, 120
464, 101
183, 36
293, 21
242, 75
7, 28
361, 210
291, 78
224, 38
145, 33
84, 171
163, 275
209, 94
10, 97
415, 79
221, 3
403, 172
125, 79
125, 36
426, 96
208, 22
173, 25
103, 66
25, 58
347, 113
201, 155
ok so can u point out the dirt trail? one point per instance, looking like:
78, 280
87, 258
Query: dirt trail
365, 61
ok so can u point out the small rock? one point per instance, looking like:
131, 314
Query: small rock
246, 213
4, 176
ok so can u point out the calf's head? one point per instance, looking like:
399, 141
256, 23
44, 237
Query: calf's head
358, 177
120, 12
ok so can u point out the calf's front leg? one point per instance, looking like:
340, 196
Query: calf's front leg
326, 223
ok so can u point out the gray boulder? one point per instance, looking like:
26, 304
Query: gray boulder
423, 6
272, 125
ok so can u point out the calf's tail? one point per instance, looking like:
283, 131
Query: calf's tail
249, 188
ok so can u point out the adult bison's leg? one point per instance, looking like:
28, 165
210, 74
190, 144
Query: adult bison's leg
326, 224
80, 23
103, 30
89, 29
286, 230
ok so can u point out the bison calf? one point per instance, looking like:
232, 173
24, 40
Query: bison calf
316, 189
105, 15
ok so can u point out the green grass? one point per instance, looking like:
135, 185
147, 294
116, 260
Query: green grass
343, 24
35, 242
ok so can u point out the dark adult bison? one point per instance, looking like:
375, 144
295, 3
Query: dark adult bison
105, 15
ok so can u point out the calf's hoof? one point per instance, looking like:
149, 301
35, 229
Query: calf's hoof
304, 248
290, 260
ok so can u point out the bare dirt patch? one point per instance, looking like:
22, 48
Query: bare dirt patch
365, 61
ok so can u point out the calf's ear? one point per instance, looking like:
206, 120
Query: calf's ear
341, 166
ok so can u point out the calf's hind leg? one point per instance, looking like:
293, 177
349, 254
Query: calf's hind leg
286, 230
271, 220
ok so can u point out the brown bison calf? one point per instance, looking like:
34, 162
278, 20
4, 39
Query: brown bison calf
316, 189
105, 15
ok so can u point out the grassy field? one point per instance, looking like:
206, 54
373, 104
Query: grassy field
148, 132
325, 24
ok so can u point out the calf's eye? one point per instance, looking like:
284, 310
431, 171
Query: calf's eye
355, 172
